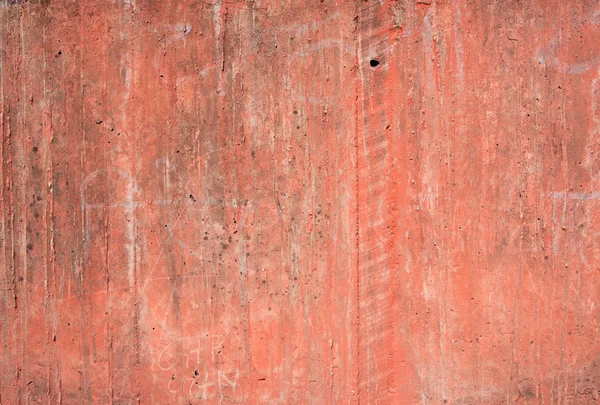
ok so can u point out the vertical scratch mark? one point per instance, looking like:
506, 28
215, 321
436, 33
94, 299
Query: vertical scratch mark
49, 309
21, 234
80, 258
358, 106
5, 278
136, 321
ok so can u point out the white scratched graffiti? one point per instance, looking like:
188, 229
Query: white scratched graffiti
191, 366
551, 55
101, 188
560, 201
197, 346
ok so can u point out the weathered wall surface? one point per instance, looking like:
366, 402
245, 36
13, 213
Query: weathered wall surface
218, 201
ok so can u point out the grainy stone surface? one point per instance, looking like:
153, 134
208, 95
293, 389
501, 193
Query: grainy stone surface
285, 201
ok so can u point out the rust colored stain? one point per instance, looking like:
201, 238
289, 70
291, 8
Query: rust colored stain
300, 202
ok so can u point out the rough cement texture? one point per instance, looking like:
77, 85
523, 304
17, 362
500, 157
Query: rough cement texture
223, 202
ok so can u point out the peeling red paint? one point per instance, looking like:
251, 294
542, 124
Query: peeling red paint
213, 201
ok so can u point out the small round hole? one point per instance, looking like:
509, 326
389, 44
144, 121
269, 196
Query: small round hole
374, 63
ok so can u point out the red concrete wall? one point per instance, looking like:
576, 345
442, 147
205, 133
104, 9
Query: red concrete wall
219, 201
